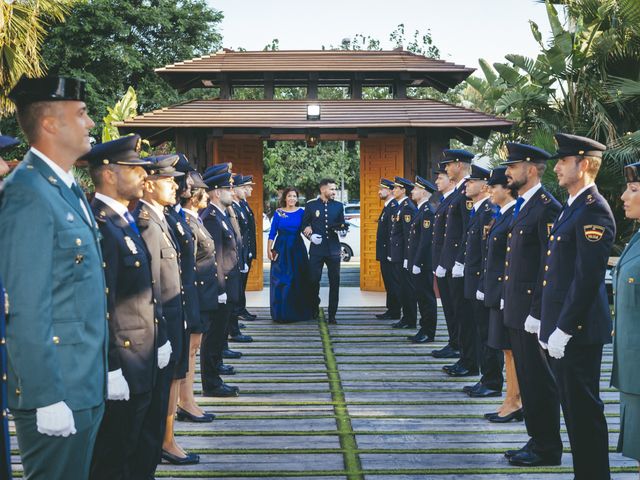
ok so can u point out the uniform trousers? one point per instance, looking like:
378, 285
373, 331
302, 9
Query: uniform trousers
121, 447
427, 304
393, 301
578, 378
242, 305
46, 457
491, 360
463, 314
449, 313
316, 263
213, 342
406, 293
539, 394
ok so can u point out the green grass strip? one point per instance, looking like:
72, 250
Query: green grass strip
345, 430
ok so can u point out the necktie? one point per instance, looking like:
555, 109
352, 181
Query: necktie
516, 210
131, 222
441, 197
497, 214
82, 199
182, 214
473, 212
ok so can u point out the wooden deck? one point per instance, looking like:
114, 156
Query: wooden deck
357, 401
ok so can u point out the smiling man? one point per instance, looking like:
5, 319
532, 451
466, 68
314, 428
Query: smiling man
57, 325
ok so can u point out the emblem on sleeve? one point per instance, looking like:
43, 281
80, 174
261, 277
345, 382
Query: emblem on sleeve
593, 233
469, 204
131, 245
426, 223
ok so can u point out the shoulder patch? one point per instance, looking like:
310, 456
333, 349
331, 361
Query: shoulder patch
469, 204
144, 215
545, 198
593, 233
426, 224
590, 199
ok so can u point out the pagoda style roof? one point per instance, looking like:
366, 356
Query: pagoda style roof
272, 117
327, 67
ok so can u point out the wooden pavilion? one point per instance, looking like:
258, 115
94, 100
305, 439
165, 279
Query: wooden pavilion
398, 136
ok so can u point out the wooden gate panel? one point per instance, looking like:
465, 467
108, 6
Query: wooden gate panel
246, 157
379, 157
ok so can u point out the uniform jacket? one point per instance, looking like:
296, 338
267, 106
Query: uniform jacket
227, 252
165, 270
324, 219
457, 218
251, 235
51, 265
574, 296
420, 239
527, 243
384, 230
626, 333
133, 314
187, 248
243, 223
477, 228
5, 451
206, 266
439, 223
495, 251
400, 229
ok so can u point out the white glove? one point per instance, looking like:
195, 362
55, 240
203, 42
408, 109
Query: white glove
316, 239
55, 420
405, 264
479, 296
117, 386
245, 269
502, 304
532, 325
441, 272
164, 354
557, 341
222, 298
416, 270
458, 270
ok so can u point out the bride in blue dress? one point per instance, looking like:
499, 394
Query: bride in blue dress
289, 293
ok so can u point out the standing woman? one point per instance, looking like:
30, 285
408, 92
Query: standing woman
626, 330
290, 294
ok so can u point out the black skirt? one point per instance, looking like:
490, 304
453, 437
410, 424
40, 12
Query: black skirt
498, 336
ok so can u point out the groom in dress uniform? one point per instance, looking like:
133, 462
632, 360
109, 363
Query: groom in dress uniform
323, 219
51, 264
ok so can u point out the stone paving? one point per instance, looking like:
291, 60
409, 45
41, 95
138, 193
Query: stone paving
357, 401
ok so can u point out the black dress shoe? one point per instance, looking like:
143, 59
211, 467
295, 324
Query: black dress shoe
517, 415
446, 352
223, 390
246, 313
402, 324
226, 369
469, 388
511, 453
487, 416
240, 338
190, 459
462, 371
183, 416
532, 459
246, 318
420, 337
332, 321
388, 316
484, 392
226, 353
448, 368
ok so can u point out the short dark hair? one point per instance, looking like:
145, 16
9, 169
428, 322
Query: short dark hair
326, 181
283, 198
96, 173
28, 116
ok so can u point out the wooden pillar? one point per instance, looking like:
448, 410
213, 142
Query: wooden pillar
379, 157
246, 156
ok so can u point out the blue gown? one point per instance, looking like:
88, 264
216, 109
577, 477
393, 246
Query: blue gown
290, 292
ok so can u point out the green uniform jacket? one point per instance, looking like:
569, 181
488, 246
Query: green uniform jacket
626, 326
52, 268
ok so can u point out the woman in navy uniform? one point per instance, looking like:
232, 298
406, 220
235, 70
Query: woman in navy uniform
490, 288
576, 321
290, 290
5, 454
626, 331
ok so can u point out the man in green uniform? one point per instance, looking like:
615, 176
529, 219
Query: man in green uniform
52, 268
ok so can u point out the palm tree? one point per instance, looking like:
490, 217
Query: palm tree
22, 31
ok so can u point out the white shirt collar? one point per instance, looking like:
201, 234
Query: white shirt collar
223, 211
66, 177
478, 204
422, 202
446, 194
388, 200
116, 206
529, 193
401, 200
507, 206
571, 199
460, 183
159, 211
191, 212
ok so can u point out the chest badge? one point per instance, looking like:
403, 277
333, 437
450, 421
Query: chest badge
407, 218
131, 245
593, 233
469, 204
426, 223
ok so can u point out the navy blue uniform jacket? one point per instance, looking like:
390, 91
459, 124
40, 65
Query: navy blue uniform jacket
324, 219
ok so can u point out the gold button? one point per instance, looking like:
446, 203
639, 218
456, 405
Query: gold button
127, 344
108, 315
548, 252
156, 320
106, 290
510, 235
506, 277
558, 237
508, 249
78, 242
521, 232
18, 392
613, 333
551, 238
529, 291
546, 268
2, 341
478, 274
544, 283
226, 277
4, 377
155, 301
499, 279
104, 265
56, 339
631, 280
137, 263
506, 264
579, 327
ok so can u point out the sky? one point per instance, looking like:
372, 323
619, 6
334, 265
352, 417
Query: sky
463, 30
